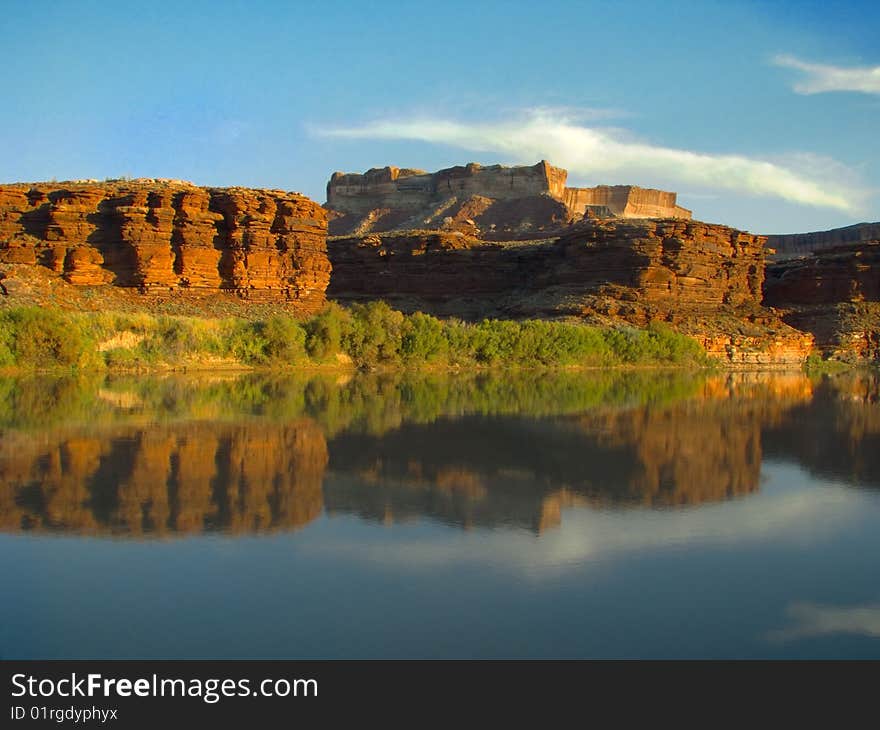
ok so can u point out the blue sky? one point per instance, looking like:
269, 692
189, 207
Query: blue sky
761, 115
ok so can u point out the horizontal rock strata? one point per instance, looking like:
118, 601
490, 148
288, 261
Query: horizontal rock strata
842, 274
704, 279
833, 294
492, 203
158, 235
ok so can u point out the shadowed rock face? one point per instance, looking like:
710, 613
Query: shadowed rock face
493, 203
704, 279
676, 262
834, 294
842, 274
161, 235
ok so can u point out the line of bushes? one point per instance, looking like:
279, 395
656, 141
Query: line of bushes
366, 335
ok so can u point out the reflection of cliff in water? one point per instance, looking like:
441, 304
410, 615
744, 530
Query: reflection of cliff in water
158, 479
495, 471
836, 435
253, 455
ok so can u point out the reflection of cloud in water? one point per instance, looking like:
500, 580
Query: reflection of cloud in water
591, 535
813, 620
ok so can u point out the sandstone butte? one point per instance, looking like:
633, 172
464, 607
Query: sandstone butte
165, 235
493, 203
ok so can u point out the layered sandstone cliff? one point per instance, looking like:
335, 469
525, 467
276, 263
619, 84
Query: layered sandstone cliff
493, 203
704, 279
841, 274
160, 235
833, 294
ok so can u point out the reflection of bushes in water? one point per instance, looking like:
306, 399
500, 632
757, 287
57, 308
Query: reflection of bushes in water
368, 335
369, 402
44, 401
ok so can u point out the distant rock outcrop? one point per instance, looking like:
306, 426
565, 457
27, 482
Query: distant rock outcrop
800, 244
831, 276
159, 235
492, 203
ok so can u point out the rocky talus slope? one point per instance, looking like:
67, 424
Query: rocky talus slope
162, 236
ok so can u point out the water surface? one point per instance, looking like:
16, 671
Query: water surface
569, 515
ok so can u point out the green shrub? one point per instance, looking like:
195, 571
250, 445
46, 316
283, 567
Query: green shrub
422, 339
35, 337
374, 335
245, 341
285, 340
816, 365
324, 332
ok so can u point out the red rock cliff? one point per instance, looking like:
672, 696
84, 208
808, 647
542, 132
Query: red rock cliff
834, 294
704, 279
160, 235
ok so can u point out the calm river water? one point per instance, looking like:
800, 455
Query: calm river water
615, 514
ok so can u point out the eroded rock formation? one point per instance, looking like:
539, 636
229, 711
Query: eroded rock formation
834, 294
158, 235
493, 203
704, 279
841, 274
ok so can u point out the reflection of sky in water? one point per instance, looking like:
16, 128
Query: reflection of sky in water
787, 572
787, 510
506, 537
812, 620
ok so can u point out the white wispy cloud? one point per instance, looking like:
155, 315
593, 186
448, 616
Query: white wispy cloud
595, 151
821, 78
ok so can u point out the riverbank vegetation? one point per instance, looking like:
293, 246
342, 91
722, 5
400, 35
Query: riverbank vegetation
364, 336
817, 366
